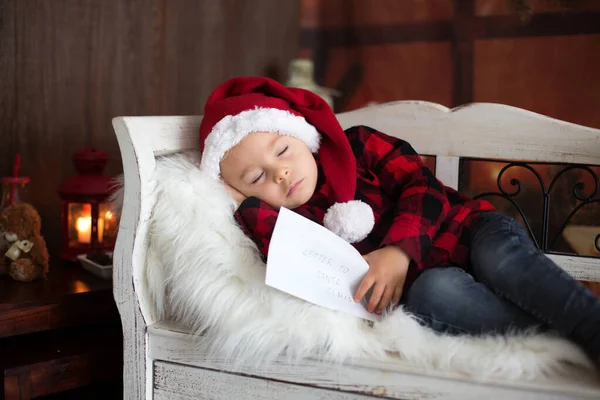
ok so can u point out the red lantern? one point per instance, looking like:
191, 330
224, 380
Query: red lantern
89, 223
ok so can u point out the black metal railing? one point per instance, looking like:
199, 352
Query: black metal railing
578, 191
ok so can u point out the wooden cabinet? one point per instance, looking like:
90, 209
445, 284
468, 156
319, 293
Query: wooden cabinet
59, 334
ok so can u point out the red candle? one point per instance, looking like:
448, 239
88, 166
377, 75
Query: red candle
13, 188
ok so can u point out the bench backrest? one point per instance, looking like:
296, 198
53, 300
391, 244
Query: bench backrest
487, 131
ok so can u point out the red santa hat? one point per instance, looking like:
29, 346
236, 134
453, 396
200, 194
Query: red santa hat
244, 105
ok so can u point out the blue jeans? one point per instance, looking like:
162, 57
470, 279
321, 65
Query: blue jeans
510, 286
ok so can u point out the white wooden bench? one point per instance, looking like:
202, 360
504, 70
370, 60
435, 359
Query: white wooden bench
162, 362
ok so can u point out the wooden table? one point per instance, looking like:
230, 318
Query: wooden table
58, 334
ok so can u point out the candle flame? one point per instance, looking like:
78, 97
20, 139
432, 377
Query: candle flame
84, 224
84, 229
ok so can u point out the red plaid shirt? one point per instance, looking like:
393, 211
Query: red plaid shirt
413, 210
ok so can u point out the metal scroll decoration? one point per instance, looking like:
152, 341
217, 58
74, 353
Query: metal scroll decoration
578, 190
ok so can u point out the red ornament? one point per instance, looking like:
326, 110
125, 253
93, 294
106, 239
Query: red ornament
89, 223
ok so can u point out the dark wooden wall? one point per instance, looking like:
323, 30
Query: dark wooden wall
68, 66
459, 51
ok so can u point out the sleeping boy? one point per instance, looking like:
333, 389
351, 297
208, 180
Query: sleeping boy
452, 261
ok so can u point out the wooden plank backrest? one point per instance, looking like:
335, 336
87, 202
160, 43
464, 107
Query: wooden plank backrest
489, 131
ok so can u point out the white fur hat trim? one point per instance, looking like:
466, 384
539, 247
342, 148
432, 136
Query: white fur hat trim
352, 221
230, 130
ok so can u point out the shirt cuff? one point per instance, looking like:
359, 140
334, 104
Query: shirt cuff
415, 246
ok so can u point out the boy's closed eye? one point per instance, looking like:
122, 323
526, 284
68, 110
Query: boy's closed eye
283, 151
258, 178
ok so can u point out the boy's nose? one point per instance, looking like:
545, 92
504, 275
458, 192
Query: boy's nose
282, 174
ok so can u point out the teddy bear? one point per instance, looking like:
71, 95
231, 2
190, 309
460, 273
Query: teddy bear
23, 250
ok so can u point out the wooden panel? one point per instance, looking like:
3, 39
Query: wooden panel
16, 387
217, 40
8, 92
429, 162
493, 131
502, 7
335, 13
173, 382
447, 169
56, 375
41, 364
63, 281
478, 130
75, 311
390, 72
392, 379
130, 262
68, 67
585, 270
69, 296
78, 63
555, 76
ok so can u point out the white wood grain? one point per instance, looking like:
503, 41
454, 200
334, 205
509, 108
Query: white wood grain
481, 130
478, 130
168, 134
174, 381
397, 379
447, 170
581, 268
129, 258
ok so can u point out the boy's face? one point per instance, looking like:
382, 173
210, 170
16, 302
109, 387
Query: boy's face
280, 170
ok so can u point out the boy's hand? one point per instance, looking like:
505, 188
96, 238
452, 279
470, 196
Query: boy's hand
238, 196
387, 272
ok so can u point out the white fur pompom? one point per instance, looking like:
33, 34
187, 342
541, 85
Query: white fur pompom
352, 221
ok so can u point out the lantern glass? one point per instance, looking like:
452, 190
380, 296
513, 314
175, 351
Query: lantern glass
107, 224
80, 224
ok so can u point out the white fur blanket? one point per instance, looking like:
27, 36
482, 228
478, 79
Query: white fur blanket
205, 274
